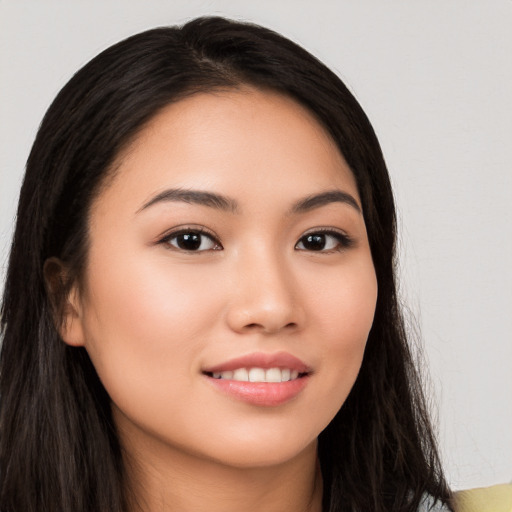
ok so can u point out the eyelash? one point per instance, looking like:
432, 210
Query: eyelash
343, 240
191, 231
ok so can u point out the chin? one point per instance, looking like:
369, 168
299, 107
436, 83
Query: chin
258, 457
256, 451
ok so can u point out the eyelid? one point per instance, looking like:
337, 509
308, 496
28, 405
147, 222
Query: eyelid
185, 229
325, 231
345, 240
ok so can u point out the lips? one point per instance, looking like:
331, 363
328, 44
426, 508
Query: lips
282, 360
260, 379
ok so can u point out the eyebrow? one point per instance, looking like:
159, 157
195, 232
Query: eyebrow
220, 202
210, 199
324, 198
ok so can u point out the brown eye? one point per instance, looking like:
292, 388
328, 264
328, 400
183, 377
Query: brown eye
192, 241
323, 242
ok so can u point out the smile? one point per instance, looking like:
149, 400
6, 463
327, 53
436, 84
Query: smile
258, 375
264, 380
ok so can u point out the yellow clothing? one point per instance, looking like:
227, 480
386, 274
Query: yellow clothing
497, 498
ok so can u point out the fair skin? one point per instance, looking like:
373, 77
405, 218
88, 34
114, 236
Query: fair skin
178, 285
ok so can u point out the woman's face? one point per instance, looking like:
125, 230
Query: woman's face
229, 245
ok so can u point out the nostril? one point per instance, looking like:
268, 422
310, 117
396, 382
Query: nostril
254, 325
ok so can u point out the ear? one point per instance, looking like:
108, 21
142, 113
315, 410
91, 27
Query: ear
65, 301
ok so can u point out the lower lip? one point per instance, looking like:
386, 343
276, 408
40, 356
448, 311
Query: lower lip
266, 394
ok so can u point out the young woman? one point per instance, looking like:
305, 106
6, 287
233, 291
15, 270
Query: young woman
200, 311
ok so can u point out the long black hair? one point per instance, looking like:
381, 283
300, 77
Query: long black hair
59, 450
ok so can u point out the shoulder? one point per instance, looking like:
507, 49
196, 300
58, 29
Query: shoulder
497, 498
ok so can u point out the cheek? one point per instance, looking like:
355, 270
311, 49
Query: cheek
345, 303
141, 321
148, 296
344, 313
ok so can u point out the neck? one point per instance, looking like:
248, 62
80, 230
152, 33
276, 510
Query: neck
175, 481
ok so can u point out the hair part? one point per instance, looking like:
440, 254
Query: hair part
58, 445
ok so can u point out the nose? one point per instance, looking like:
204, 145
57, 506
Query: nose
265, 296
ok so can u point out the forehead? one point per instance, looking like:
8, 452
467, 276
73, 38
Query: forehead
237, 142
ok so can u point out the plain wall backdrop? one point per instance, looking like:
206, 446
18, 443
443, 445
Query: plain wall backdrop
435, 78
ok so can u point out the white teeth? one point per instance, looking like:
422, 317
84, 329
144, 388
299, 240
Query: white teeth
241, 374
258, 375
273, 375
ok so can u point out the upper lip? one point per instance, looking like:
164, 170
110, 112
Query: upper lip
261, 360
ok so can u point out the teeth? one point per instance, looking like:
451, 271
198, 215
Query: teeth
240, 374
258, 375
273, 375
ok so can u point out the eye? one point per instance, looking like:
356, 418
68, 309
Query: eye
324, 241
192, 240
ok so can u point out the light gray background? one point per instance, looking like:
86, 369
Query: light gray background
435, 78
